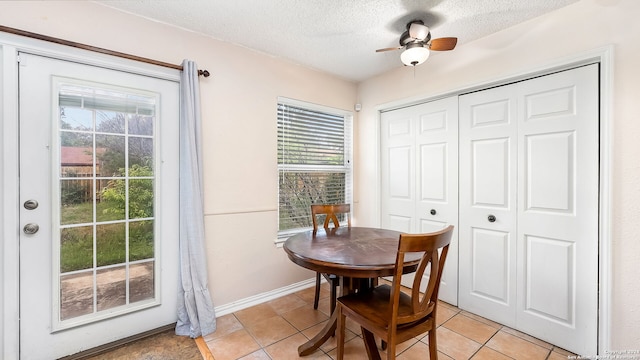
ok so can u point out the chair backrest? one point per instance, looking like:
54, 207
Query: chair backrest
331, 211
435, 246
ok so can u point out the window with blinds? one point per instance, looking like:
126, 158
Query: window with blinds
314, 161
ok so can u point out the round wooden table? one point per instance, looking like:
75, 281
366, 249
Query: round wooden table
351, 253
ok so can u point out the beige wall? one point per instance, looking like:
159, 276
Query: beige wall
239, 125
578, 28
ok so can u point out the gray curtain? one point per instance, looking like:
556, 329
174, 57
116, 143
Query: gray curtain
196, 315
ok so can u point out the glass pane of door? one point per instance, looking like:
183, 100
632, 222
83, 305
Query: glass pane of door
106, 177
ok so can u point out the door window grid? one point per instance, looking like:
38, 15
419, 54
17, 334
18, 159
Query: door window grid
105, 244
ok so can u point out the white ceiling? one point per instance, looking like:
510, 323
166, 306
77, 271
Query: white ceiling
336, 36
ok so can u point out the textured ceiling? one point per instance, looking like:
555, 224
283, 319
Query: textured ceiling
336, 36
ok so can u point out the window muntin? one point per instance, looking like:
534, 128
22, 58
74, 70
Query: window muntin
106, 251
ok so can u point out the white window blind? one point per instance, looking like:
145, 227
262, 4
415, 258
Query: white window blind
314, 161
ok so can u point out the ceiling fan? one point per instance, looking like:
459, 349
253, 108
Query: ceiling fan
416, 42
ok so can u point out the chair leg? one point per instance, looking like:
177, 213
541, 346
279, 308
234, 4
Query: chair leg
342, 319
370, 344
334, 296
433, 345
317, 296
391, 351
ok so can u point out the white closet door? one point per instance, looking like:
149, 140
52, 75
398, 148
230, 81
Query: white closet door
558, 209
397, 156
419, 177
487, 231
437, 182
529, 157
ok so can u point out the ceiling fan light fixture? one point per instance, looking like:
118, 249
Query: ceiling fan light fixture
418, 30
415, 54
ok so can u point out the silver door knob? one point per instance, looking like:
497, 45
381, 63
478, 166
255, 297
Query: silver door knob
31, 228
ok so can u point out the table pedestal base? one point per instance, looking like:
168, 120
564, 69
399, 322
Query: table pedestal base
327, 331
347, 286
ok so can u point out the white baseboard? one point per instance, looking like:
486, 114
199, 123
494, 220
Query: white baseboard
264, 297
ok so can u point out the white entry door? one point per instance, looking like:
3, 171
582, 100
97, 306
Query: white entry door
529, 206
99, 205
419, 178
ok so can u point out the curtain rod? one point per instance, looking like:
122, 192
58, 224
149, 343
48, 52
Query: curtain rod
14, 31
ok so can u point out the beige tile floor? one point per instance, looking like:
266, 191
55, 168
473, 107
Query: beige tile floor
274, 330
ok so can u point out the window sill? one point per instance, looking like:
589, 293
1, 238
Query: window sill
283, 236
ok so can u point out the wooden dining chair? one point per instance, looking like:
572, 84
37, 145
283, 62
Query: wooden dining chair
331, 212
391, 314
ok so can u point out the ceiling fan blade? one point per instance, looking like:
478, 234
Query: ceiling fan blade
418, 31
389, 49
443, 44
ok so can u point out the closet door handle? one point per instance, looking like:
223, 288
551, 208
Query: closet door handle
491, 218
432, 212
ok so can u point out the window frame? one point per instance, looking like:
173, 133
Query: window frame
58, 323
347, 168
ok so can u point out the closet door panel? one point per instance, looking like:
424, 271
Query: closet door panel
399, 223
488, 168
550, 264
398, 176
558, 213
419, 154
490, 265
529, 157
433, 172
437, 181
400, 165
550, 153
